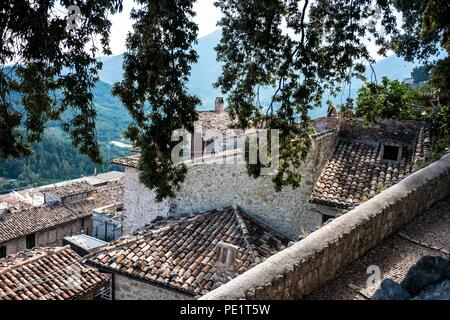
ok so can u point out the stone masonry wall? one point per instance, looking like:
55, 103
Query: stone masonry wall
50, 237
386, 130
210, 186
306, 265
129, 289
140, 205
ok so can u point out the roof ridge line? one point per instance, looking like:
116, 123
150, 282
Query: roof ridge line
256, 257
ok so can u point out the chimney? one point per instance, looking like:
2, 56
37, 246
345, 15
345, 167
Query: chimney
219, 105
227, 262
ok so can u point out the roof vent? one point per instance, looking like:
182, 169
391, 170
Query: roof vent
227, 258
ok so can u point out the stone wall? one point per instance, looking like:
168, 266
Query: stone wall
299, 269
139, 202
211, 185
130, 289
50, 237
386, 130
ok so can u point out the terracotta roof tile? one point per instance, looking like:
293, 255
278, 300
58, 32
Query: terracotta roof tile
70, 189
356, 172
47, 274
181, 253
26, 221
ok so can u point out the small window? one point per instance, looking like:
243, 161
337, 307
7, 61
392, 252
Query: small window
391, 153
31, 241
3, 252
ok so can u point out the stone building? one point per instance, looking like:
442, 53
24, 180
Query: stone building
211, 184
183, 258
49, 274
368, 160
67, 211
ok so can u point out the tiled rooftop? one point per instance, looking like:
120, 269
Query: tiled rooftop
213, 120
70, 189
427, 235
130, 161
47, 274
357, 172
181, 253
26, 221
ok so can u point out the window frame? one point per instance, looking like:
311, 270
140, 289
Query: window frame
3, 252
30, 239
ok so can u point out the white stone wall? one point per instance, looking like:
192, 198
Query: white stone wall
211, 186
130, 289
140, 205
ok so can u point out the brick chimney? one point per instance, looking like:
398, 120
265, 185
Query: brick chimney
219, 105
227, 261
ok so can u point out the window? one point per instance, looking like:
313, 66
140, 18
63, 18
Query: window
3, 252
391, 153
31, 241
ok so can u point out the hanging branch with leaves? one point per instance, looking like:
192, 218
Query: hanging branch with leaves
299, 49
156, 69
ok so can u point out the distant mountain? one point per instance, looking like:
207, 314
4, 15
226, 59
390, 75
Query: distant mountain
206, 71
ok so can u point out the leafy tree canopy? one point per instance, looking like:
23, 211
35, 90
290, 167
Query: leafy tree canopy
302, 49
39, 56
421, 74
389, 99
156, 70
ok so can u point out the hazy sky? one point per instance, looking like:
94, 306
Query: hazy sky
207, 17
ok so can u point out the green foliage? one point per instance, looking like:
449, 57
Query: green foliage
320, 50
440, 117
156, 69
54, 160
421, 74
48, 58
425, 33
390, 99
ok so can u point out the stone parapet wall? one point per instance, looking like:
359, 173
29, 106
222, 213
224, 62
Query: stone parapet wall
386, 130
308, 264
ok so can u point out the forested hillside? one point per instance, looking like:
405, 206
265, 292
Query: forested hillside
55, 159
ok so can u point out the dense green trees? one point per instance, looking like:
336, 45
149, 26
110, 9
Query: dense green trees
389, 99
54, 160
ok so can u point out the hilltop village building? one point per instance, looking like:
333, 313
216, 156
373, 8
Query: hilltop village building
183, 258
347, 165
66, 210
